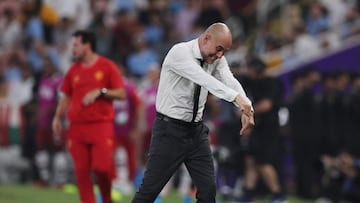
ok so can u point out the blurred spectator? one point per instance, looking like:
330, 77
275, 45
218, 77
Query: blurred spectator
349, 166
209, 14
186, 17
351, 25
265, 41
236, 55
29, 111
12, 71
15, 5
5, 112
126, 25
50, 19
102, 33
328, 40
336, 11
76, 10
302, 113
264, 152
129, 115
11, 162
48, 145
316, 19
63, 32
36, 54
19, 94
196, 30
292, 18
353, 115
154, 31
246, 11
141, 58
34, 28
305, 46
349, 159
62, 36
20, 91
10, 30
331, 109
329, 119
170, 38
117, 5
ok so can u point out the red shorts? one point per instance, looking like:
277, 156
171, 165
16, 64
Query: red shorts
92, 145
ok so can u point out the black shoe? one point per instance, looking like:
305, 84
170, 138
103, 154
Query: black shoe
278, 198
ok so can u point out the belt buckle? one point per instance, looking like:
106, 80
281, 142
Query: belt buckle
166, 119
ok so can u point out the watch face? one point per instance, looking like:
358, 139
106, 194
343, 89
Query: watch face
103, 90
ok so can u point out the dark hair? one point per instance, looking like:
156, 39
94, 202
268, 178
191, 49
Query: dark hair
86, 37
354, 76
257, 64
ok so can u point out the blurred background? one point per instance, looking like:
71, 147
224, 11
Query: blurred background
309, 48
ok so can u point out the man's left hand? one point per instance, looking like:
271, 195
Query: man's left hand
247, 121
91, 96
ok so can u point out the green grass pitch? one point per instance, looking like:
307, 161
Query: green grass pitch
31, 194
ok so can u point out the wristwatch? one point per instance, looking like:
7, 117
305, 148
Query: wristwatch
103, 91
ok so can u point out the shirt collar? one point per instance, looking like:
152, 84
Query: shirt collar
196, 49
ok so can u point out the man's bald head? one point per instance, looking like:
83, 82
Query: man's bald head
215, 41
219, 30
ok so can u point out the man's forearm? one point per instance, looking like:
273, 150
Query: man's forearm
115, 93
62, 106
244, 104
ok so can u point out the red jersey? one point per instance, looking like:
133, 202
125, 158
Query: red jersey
80, 80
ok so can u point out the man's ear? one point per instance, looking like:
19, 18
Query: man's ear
88, 46
207, 37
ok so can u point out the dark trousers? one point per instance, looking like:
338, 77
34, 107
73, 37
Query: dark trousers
172, 144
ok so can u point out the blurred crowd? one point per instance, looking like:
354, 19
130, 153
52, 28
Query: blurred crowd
316, 136
324, 134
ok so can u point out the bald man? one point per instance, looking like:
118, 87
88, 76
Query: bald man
191, 70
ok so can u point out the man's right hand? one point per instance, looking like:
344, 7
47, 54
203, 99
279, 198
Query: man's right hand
244, 105
247, 123
247, 114
56, 125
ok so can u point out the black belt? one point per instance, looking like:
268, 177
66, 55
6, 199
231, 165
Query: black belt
176, 121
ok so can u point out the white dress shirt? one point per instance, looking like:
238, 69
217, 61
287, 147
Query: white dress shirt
181, 70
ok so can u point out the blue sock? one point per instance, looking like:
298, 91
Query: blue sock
138, 179
98, 197
187, 199
158, 199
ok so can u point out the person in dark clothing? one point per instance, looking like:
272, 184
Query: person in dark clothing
349, 166
302, 110
350, 160
352, 138
264, 150
347, 162
331, 110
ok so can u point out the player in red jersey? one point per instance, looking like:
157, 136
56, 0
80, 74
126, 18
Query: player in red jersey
88, 89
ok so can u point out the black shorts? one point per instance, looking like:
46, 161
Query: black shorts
265, 145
